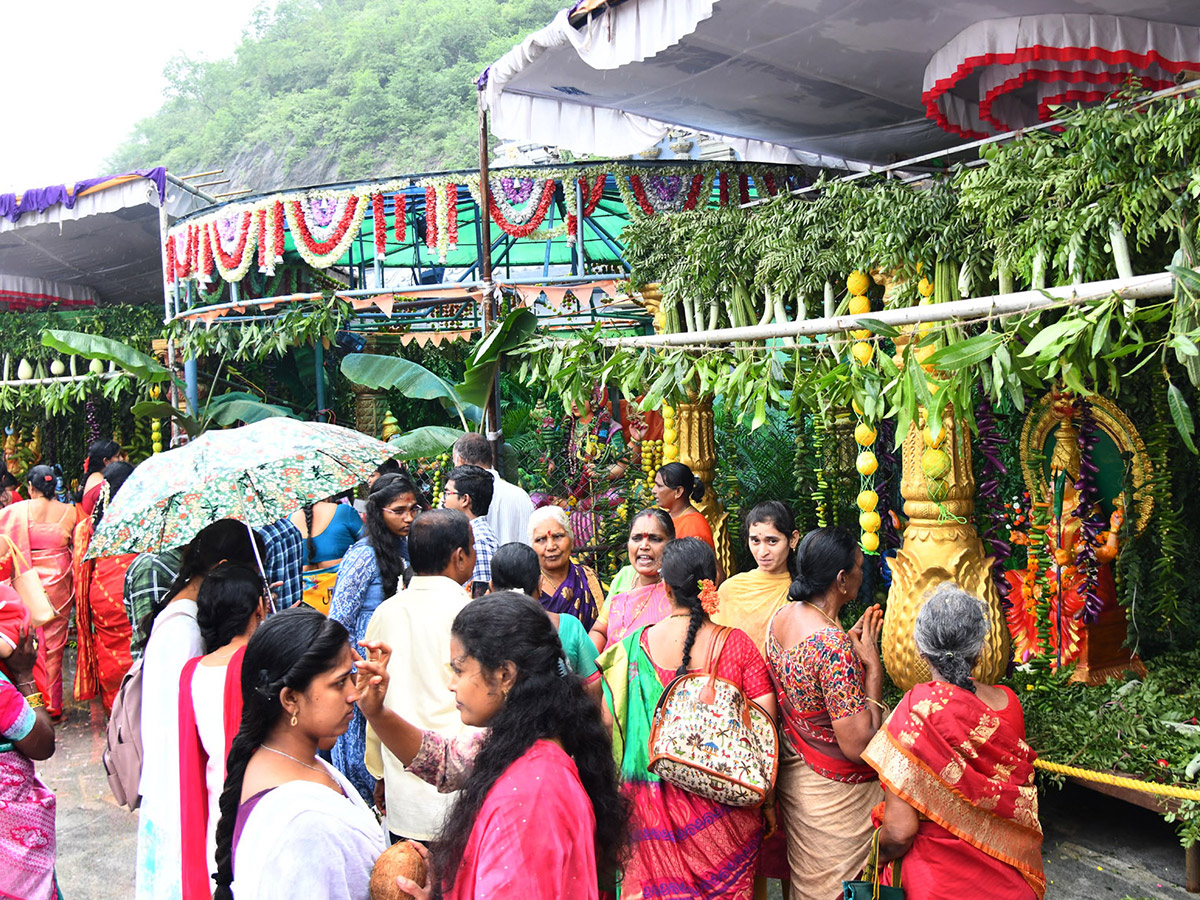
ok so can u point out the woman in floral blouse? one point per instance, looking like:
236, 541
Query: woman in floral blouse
829, 682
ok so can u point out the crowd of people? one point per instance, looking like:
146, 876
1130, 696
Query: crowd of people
346, 679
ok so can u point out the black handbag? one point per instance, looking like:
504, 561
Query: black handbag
873, 890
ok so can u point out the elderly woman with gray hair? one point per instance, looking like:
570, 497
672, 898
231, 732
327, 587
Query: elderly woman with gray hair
566, 586
961, 808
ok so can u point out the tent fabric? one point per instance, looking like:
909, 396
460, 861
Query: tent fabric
1059, 55
13, 206
805, 81
20, 292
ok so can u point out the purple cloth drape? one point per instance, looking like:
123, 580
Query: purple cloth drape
39, 199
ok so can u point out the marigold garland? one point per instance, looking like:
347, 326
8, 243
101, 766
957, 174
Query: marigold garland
451, 216
206, 259
277, 229
260, 222
170, 260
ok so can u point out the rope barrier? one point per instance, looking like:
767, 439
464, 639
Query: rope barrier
1134, 784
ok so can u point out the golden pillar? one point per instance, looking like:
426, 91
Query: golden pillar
369, 410
940, 544
698, 451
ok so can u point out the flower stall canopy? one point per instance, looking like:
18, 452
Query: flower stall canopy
97, 240
804, 81
19, 293
429, 225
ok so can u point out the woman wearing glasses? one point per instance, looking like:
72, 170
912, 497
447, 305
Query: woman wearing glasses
369, 573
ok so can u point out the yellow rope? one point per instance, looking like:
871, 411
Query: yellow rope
1148, 787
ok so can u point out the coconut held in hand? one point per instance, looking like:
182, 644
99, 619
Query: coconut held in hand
398, 859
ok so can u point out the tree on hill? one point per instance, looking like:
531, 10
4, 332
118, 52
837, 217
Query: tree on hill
324, 90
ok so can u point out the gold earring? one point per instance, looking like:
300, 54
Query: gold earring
294, 720
504, 694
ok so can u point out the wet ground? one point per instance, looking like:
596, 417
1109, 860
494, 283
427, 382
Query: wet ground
1096, 848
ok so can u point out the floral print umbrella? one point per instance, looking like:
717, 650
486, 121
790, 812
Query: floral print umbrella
257, 473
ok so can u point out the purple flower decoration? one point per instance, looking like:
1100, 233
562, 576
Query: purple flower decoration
227, 226
322, 210
516, 191
665, 188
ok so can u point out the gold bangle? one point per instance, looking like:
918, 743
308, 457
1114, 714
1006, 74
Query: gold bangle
880, 705
35, 700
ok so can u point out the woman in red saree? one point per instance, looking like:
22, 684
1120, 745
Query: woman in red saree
961, 808
104, 632
38, 533
682, 846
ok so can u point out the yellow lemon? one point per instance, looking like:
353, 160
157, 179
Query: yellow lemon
938, 490
669, 435
925, 287
862, 351
860, 305
923, 353
867, 500
860, 333
667, 410
157, 446
858, 282
866, 463
870, 541
934, 440
854, 406
869, 521
935, 463
864, 434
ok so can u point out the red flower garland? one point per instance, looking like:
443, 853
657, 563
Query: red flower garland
431, 218
231, 260
452, 215
380, 222
171, 259
592, 193
206, 257
260, 216
743, 189
693, 196
400, 212
320, 248
723, 184
520, 231
769, 181
278, 243
639, 193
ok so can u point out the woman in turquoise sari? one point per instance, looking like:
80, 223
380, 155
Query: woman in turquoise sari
682, 845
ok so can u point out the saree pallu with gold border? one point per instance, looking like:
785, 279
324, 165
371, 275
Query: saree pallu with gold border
969, 774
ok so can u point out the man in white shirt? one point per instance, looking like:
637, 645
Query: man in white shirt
511, 506
416, 622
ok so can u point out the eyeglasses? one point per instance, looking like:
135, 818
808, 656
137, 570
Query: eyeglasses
449, 493
402, 510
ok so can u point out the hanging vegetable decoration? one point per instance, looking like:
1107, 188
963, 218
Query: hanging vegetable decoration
988, 508
670, 446
864, 433
1091, 520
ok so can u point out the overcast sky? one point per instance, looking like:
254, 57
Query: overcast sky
81, 73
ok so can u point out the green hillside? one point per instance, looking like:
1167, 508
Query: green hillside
335, 90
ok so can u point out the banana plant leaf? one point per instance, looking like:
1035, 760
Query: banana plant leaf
424, 443
93, 346
485, 360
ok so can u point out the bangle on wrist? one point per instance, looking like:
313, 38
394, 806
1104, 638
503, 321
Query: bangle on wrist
35, 700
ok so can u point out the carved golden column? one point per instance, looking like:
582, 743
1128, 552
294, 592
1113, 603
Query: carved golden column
368, 409
940, 544
698, 451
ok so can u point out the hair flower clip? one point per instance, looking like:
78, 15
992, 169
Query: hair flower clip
710, 600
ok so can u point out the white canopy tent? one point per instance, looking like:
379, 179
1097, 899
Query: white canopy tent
837, 84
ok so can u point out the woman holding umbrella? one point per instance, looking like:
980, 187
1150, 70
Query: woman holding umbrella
370, 572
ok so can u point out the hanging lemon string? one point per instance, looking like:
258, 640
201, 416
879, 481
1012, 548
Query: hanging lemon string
863, 352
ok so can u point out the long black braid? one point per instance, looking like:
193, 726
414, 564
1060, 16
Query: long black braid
308, 530
685, 563
289, 650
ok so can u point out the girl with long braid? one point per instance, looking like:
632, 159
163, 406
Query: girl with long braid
292, 825
682, 844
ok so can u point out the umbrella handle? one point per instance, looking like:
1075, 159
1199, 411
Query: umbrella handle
262, 570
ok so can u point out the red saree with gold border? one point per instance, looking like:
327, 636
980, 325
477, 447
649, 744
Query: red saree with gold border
969, 774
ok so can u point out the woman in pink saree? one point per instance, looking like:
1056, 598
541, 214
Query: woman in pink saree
39, 535
646, 603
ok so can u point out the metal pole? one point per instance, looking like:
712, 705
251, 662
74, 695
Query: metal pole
319, 372
1000, 305
581, 256
491, 417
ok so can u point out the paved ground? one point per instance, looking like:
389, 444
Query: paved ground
1096, 848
